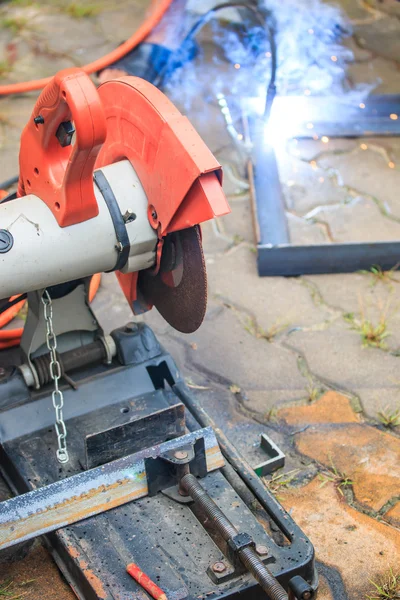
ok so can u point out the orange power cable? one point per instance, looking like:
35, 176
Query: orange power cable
12, 337
144, 30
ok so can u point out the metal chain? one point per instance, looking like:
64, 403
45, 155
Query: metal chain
55, 373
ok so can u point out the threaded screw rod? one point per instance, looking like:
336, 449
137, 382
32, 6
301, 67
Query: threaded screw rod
248, 555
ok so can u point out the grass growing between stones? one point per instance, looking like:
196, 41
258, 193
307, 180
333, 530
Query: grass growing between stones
379, 275
8, 592
373, 334
15, 24
387, 587
81, 11
266, 334
5, 68
340, 480
280, 481
389, 418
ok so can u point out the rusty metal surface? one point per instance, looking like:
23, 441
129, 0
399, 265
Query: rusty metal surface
90, 493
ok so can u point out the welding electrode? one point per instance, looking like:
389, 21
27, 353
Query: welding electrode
145, 581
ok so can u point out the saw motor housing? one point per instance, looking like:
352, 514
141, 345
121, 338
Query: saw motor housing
106, 176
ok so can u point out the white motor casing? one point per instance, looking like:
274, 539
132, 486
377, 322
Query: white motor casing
45, 254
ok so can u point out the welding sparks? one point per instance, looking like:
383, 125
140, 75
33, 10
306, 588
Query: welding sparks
310, 126
237, 66
321, 179
334, 58
394, 117
391, 165
363, 146
362, 105
311, 31
325, 139
313, 165
307, 92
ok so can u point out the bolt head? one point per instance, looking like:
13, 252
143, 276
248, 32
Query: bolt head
219, 567
261, 550
129, 216
306, 596
181, 454
64, 133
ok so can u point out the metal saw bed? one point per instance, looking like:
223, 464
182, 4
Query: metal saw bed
140, 401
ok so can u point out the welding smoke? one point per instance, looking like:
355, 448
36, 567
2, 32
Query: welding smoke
234, 54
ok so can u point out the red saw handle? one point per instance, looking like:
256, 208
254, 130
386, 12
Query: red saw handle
51, 167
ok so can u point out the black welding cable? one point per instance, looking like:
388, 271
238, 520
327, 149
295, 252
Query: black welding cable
6, 304
200, 23
261, 19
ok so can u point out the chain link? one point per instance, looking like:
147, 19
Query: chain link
55, 373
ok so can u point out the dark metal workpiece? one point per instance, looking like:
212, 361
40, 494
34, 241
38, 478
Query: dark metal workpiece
118, 441
245, 550
276, 458
334, 117
92, 492
320, 116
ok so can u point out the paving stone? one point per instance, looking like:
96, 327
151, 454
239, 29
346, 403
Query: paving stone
72, 37
344, 362
381, 400
307, 150
118, 24
381, 76
382, 37
110, 306
391, 7
352, 292
36, 577
352, 222
278, 303
324, 591
362, 170
224, 351
303, 233
366, 298
389, 144
371, 461
331, 408
238, 225
393, 515
356, 545
359, 54
353, 9
265, 401
311, 190
14, 115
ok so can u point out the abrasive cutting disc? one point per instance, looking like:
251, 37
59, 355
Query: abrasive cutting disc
179, 290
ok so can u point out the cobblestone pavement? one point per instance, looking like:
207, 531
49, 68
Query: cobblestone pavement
311, 360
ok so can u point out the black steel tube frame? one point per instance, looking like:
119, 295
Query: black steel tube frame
276, 256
